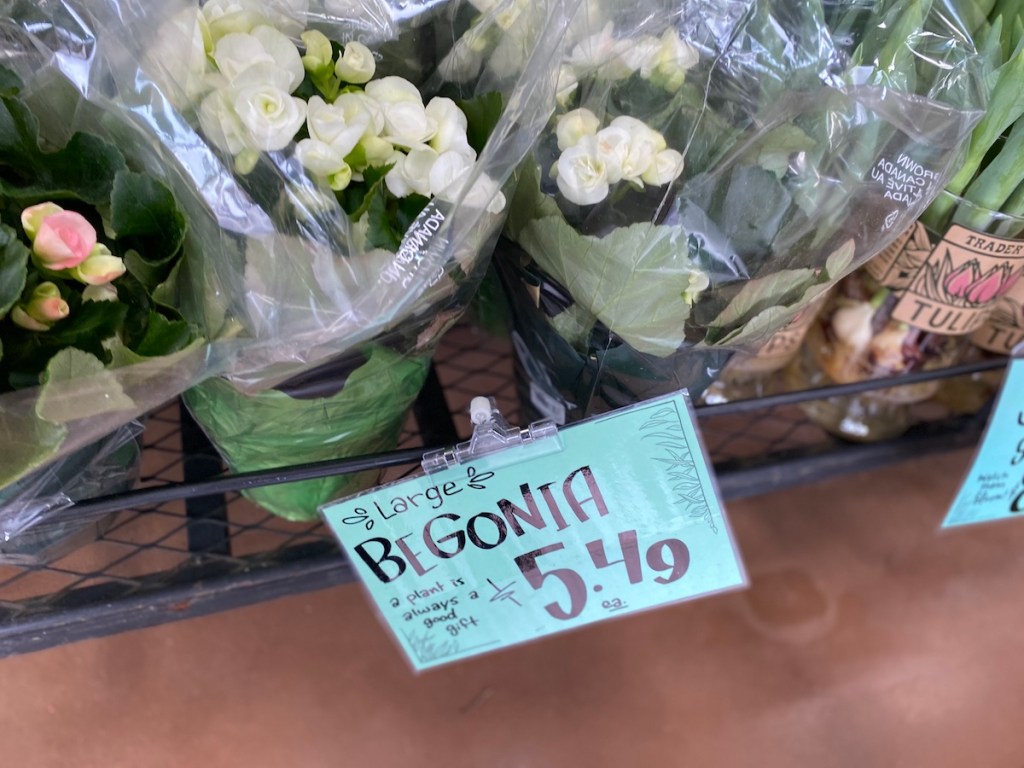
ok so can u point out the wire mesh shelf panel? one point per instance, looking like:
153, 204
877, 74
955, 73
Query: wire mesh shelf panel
159, 562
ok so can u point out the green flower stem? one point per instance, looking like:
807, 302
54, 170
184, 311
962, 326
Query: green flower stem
1005, 107
993, 186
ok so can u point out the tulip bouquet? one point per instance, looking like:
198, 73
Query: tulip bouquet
708, 175
911, 308
90, 250
346, 188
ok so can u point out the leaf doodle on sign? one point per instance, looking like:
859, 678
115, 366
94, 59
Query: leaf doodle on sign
477, 479
359, 518
680, 464
428, 648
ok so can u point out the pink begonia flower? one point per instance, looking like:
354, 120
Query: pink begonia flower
64, 240
99, 268
44, 308
33, 217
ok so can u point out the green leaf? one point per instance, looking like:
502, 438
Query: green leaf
528, 202
84, 169
76, 385
840, 260
29, 443
356, 198
774, 150
10, 83
87, 327
163, 336
13, 265
482, 115
633, 280
757, 296
381, 232
574, 325
147, 221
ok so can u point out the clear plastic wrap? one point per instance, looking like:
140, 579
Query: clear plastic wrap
713, 168
38, 521
113, 347
285, 267
282, 273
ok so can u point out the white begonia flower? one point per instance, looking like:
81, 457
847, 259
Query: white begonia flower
327, 124
697, 281
462, 63
582, 176
263, 56
354, 104
644, 145
566, 85
641, 55
451, 128
507, 17
356, 64
319, 56
574, 125
448, 168
601, 54
674, 58
227, 16
321, 159
395, 179
220, 123
667, 167
639, 130
614, 145
185, 73
392, 89
377, 151
417, 167
407, 124
318, 158
451, 173
269, 115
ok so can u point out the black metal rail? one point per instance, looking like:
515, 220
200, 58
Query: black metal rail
189, 545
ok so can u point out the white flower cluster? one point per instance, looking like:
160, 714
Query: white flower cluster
663, 60
243, 69
593, 158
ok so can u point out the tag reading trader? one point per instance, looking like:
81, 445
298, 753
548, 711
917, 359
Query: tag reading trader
526, 542
994, 488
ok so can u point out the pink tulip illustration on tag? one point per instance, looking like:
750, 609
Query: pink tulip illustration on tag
960, 281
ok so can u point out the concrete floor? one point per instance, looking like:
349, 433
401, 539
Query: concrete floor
867, 639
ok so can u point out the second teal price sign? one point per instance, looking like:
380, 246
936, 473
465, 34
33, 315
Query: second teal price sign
524, 543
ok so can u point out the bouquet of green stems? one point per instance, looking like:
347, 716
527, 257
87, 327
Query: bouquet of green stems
711, 171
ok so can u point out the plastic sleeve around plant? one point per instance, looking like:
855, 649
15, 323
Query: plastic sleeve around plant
805, 153
276, 277
37, 517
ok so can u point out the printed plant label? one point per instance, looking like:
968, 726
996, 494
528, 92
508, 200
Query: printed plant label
523, 543
896, 266
954, 289
994, 488
1004, 328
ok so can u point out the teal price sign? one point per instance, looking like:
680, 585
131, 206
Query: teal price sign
519, 544
994, 488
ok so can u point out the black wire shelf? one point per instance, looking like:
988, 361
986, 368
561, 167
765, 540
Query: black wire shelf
186, 543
